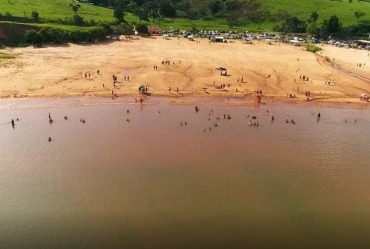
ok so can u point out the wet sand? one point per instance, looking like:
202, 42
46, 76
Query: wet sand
60, 71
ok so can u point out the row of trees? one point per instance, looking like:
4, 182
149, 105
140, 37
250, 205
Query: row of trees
329, 27
47, 35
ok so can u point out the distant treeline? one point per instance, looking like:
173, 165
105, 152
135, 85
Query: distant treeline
56, 35
331, 27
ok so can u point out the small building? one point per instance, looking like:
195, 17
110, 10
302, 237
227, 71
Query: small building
154, 30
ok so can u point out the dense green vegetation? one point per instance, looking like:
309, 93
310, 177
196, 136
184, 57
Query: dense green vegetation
67, 20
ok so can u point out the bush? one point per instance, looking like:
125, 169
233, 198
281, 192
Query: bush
312, 48
78, 20
167, 10
35, 16
142, 29
8, 16
32, 36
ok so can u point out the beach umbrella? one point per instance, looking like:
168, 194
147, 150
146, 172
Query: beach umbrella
221, 69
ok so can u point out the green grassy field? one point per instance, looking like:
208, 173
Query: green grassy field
55, 9
325, 9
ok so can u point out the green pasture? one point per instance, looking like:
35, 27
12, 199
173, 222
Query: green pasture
54, 9
59, 9
325, 8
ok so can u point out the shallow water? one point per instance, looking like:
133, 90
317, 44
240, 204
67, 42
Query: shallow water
151, 183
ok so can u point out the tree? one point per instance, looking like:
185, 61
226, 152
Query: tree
142, 29
35, 16
152, 9
119, 11
331, 26
312, 28
32, 36
215, 7
350, 1
140, 11
74, 7
294, 25
359, 14
167, 10
259, 16
314, 16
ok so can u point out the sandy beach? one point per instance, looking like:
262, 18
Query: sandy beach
59, 71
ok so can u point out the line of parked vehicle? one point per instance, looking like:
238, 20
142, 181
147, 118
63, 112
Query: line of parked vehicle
248, 36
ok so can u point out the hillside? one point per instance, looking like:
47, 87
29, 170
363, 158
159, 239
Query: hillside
59, 9
54, 9
325, 8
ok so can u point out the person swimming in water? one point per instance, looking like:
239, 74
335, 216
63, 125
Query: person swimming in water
12, 122
196, 108
250, 122
65, 118
49, 139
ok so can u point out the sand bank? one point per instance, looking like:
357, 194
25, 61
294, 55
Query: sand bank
60, 71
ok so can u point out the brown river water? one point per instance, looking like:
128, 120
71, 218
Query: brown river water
151, 183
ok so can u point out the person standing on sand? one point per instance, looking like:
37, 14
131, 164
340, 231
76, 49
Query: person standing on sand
98, 71
177, 89
128, 78
89, 75
169, 89
141, 101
